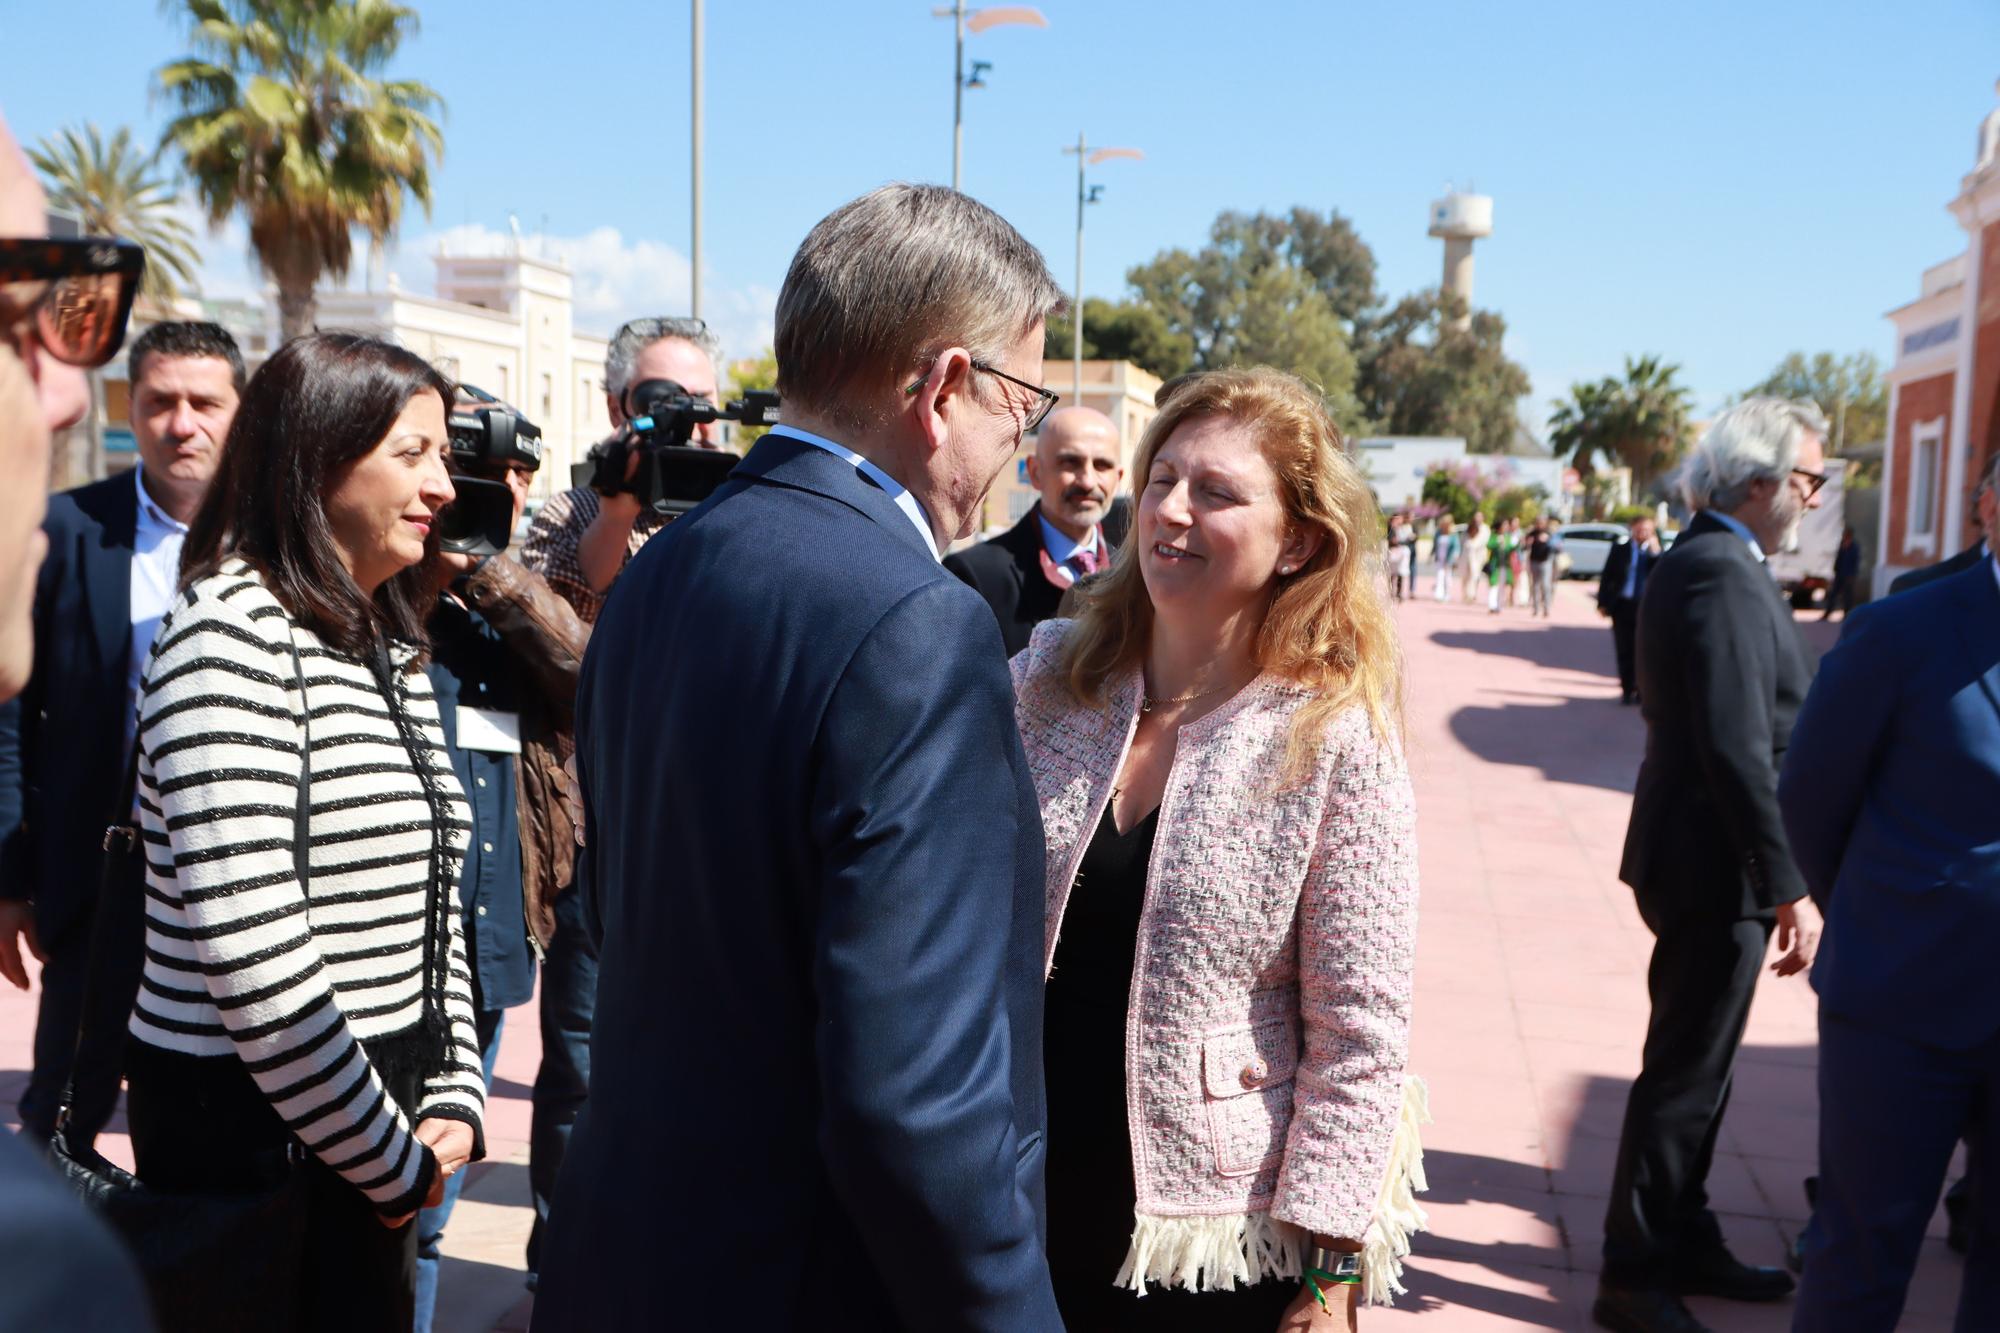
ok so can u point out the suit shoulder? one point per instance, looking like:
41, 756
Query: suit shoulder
94, 503
983, 557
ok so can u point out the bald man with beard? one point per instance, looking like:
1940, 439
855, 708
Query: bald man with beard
1024, 572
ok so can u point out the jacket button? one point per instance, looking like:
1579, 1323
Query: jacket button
1255, 1073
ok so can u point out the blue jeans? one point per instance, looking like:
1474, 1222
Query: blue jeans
562, 1085
431, 1221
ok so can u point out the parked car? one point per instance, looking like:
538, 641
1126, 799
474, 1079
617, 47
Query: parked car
1587, 545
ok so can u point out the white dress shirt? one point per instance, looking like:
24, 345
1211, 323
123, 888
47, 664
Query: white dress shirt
894, 489
156, 576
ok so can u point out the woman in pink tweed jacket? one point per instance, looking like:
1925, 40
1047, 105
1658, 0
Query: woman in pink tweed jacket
1221, 720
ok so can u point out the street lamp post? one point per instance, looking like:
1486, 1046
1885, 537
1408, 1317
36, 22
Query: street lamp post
1086, 195
974, 20
694, 258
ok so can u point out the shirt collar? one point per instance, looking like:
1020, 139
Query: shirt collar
150, 514
908, 503
1059, 546
1736, 526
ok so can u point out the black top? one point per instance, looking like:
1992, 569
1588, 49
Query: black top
1091, 1193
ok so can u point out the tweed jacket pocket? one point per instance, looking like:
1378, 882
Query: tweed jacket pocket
1247, 1073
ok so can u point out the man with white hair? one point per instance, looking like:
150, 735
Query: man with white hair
1060, 541
1722, 673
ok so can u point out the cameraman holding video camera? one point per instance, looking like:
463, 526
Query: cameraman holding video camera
582, 538
505, 653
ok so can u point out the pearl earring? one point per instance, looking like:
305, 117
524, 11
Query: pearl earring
1284, 569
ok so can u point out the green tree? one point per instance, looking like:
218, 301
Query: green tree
282, 116
1242, 300
1126, 331
759, 372
1639, 421
116, 190
1848, 389
1418, 374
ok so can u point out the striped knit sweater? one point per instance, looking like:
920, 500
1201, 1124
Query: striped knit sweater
239, 961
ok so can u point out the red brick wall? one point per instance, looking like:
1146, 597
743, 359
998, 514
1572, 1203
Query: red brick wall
1919, 400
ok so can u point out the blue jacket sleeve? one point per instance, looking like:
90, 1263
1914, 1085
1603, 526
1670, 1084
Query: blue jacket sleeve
1839, 732
915, 812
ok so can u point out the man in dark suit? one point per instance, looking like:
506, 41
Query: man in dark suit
1986, 513
1023, 572
1722, 672
812, 846
1889, 796
1619, 589
112, 571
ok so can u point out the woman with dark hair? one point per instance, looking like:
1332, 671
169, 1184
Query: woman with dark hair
1232, 886
309, 992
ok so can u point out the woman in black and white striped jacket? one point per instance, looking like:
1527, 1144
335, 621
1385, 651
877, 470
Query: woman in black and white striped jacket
320, 995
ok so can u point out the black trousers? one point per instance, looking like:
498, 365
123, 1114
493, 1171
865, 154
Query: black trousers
1625, 642
71, 996
202, 1123
1702, 976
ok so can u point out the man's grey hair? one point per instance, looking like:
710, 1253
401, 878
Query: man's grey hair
886, 282
636, 335
1756, 440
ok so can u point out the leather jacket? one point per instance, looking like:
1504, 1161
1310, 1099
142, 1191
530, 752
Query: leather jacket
548, 638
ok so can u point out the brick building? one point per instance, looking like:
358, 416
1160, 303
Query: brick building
1944, 385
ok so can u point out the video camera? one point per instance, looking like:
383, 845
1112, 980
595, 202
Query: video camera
672, 477
480, 520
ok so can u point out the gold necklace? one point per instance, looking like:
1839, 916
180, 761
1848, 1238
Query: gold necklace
1147, 703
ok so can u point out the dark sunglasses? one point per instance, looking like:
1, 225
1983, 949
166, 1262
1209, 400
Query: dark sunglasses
1046, 398
1813, 480
75, 294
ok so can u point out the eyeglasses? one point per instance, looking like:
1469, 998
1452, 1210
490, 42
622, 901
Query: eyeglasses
75, 293
1813, 480
1046, 398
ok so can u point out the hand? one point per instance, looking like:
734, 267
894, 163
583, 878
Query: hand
1797, 937
1305, 1315
450, 1141
17, 927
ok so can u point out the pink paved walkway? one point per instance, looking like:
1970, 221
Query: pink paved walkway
1530, 1009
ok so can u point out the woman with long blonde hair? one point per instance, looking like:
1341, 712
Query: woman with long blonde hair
1216, 744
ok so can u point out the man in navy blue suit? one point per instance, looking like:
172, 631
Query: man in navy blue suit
113, 570
812, 847
1891, 798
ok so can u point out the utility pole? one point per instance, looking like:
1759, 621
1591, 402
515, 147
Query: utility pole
1086, 195
958, 94
694, 258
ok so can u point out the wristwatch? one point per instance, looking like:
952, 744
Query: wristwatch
1341, 1265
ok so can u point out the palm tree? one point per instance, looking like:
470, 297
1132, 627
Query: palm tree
112, 186
1639, 421
281, 116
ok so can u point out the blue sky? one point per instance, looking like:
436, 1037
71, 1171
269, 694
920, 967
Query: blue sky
1719, 183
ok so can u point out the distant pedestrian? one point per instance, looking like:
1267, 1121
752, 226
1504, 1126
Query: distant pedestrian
1723, 670
1846, 566
1231, 863
1445, 547
1619, 588
1540, 551
1500, 549
1472, 558
1402, 558
1889, 792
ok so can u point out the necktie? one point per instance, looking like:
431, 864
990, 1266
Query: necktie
1081, 564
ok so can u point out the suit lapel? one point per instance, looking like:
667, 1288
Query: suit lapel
790, 462
106, 561
1979, 626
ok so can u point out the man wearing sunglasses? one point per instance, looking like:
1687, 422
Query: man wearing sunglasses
1722, 672
113, 570
59, 1267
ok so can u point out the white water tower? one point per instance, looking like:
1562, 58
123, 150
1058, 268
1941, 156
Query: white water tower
1460, 219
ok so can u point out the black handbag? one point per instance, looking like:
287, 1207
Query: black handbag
212, 1260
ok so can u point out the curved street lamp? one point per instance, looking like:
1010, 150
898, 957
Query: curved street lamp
1086, 195
977, 21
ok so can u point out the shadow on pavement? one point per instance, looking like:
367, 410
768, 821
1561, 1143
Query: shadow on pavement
1546, 644
1549, 736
